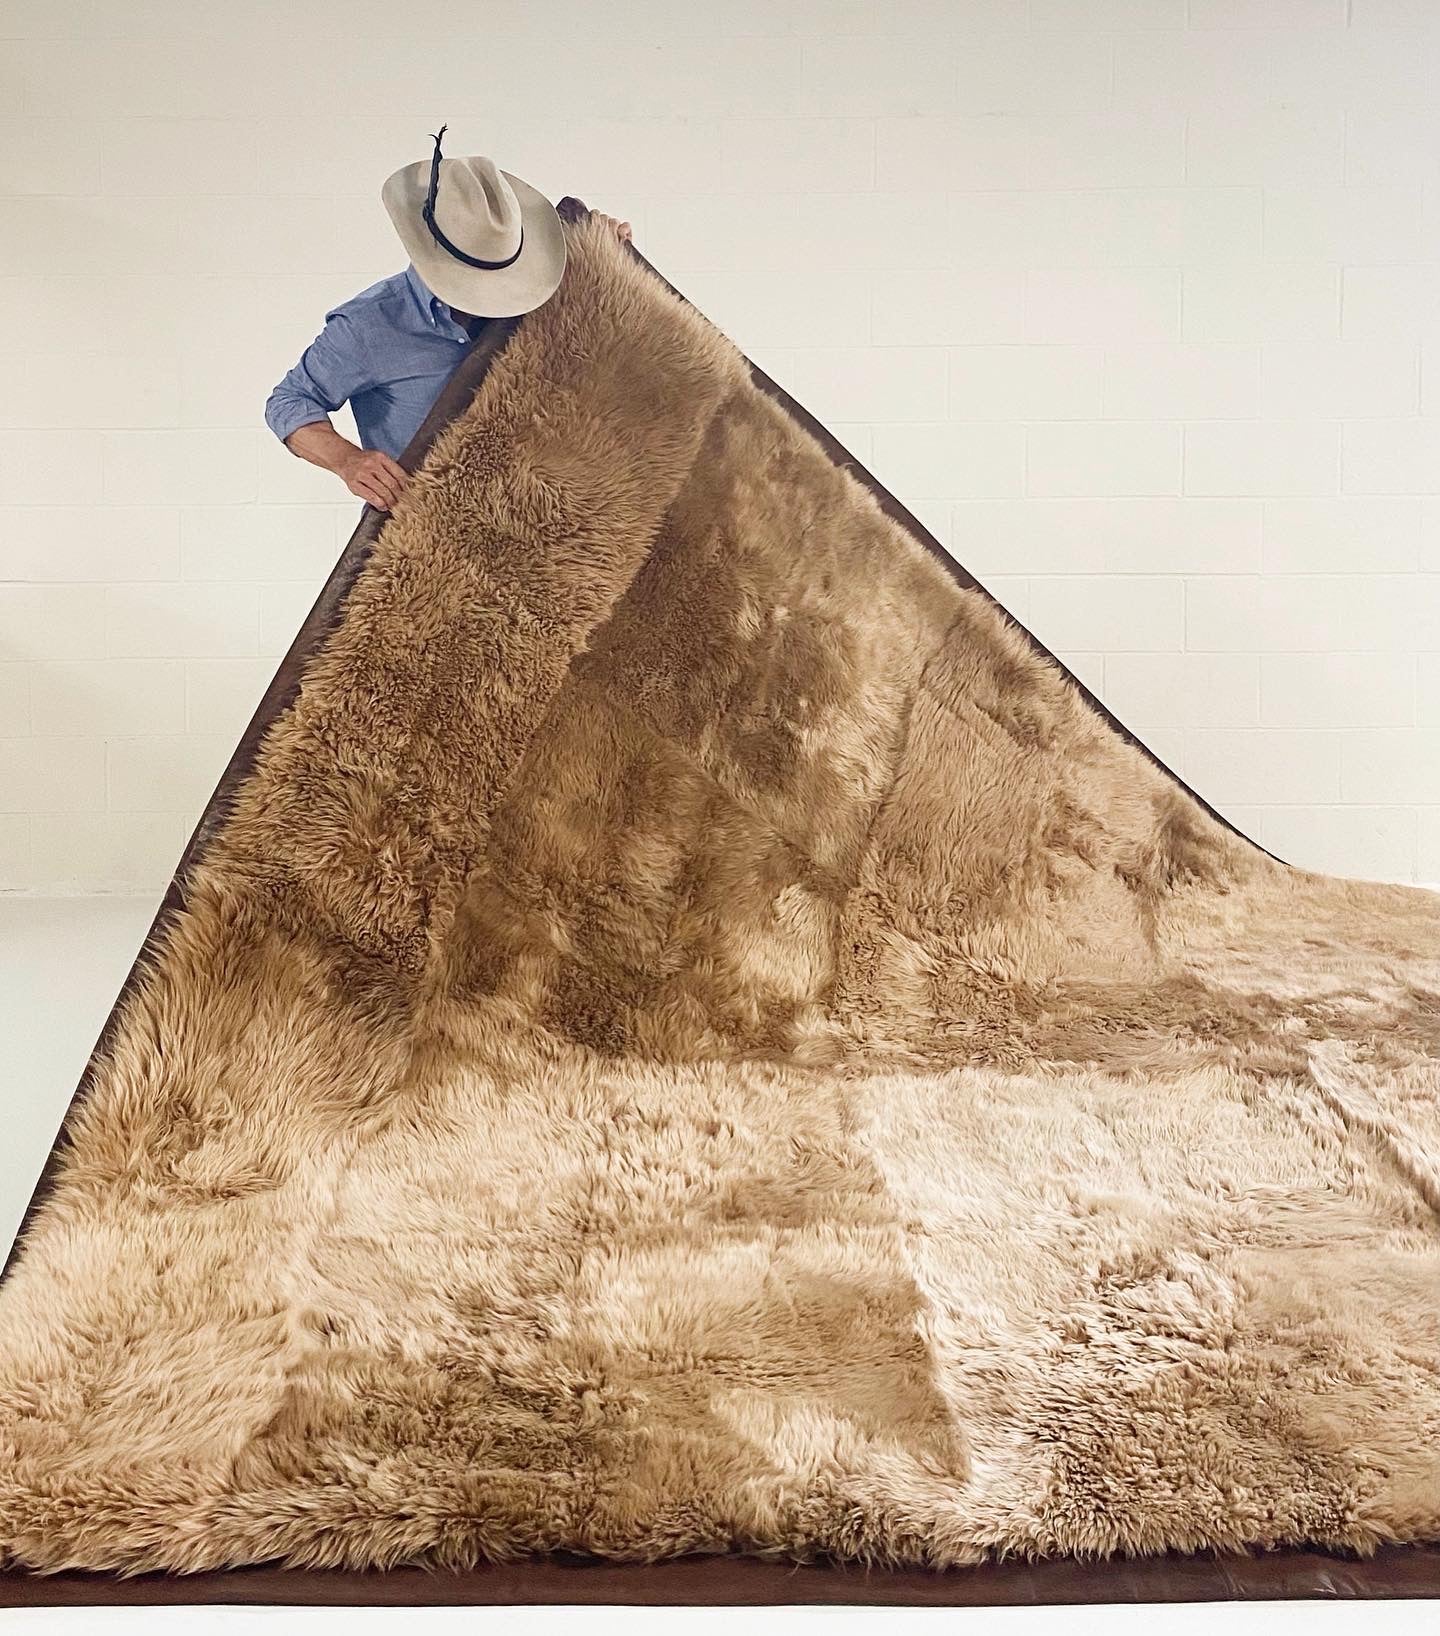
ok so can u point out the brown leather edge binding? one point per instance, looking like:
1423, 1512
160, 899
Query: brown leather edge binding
1394, 1572
736, 1581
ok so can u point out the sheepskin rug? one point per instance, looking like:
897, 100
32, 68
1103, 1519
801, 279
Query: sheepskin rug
695, 1036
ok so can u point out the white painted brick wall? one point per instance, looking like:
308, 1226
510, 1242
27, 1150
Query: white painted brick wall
1136, 302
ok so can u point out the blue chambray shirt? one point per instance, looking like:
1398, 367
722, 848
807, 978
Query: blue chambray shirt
387, 351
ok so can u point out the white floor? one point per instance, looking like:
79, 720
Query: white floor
62, 961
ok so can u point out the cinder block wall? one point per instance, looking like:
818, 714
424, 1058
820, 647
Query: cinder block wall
1136, 302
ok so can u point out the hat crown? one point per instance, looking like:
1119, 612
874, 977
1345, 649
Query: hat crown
476, 208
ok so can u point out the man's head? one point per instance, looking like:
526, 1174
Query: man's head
481, 239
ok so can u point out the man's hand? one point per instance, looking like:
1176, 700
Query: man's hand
372, 475
621, 230
369, 474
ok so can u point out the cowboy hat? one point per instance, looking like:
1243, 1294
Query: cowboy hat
482, 240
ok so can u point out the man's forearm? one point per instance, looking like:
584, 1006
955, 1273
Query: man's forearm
322, 445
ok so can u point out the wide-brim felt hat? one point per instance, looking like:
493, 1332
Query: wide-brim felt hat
482, 240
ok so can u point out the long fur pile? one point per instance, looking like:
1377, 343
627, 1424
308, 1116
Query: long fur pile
694, 1037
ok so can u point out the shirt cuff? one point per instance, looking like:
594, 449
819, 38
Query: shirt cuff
290, 414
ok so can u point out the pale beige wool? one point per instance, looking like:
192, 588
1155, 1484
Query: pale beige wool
695, 1036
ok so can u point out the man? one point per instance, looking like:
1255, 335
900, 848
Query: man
480, 241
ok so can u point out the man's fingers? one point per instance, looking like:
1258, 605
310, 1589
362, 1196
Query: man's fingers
620, 229
392, 476
384, 475
385, 484
377, 479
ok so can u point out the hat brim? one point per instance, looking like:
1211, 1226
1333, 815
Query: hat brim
501, 292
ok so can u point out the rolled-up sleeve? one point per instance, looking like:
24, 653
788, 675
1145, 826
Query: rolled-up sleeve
330, 370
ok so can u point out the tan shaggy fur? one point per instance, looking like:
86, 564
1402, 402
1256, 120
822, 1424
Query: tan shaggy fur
695, 1036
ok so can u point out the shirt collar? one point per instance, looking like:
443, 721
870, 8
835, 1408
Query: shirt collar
429, 305
434, 310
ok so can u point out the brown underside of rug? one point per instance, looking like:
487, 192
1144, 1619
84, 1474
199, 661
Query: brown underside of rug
692, 1035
